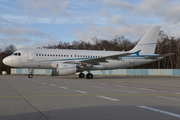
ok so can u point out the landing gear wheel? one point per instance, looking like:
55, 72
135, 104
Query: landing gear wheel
89, 76
81, 75
30, 75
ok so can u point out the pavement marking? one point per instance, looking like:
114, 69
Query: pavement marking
52, 85
160, 111
169, 98
88, 95
176, 92
63, 87
80, 91
150, 89
44, 83
121, 86
38, 81
108, 98
97, 86
127, 91
147, 89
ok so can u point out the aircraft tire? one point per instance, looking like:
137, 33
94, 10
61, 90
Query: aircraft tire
81, 75
30, 75
89, 76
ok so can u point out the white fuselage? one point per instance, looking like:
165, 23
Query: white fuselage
47, 58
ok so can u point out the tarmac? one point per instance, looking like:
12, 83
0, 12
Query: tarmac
100, 98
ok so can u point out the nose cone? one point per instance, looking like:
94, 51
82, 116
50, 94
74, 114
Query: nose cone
6, 61
11, 61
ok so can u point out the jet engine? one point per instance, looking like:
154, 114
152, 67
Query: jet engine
66, 69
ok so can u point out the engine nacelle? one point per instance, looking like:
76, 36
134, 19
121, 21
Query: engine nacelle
66, 69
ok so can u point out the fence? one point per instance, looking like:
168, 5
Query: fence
123, 72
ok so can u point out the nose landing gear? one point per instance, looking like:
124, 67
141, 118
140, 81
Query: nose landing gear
31, 71
30, 76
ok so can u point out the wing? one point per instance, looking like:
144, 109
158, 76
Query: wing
95, 61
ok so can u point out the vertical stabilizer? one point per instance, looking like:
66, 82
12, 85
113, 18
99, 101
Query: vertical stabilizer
148, 42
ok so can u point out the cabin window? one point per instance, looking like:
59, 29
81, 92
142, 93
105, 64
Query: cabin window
71, 55
36, 54
19, 54
39, 54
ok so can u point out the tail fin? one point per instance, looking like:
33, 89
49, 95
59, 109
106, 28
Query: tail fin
148, 42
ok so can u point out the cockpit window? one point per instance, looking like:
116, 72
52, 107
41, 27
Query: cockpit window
17, 54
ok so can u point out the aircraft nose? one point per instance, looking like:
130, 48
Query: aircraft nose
7, 61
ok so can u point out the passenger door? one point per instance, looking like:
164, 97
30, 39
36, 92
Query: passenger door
30, 55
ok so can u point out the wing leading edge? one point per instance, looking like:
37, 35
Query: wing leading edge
93, 61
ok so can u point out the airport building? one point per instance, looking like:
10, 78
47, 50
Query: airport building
123, 72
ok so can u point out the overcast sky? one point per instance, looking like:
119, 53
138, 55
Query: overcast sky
33, 23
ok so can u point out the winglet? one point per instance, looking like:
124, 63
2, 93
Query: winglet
137, 52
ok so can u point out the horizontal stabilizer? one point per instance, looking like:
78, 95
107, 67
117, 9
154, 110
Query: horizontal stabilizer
160, 55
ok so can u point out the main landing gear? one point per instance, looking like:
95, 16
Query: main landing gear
88, 75
30, 75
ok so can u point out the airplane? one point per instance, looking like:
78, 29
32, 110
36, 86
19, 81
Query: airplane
68, 62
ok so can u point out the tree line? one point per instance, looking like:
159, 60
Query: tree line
119, 43
6, 52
